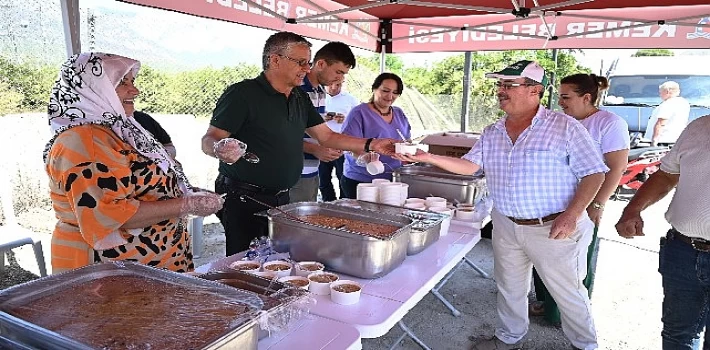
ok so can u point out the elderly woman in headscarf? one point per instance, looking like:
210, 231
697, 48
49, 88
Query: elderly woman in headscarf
116, 192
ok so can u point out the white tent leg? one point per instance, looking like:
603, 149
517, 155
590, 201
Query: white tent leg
466, 90
383, 61
71, 17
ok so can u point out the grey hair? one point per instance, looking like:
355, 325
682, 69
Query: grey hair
672, 87
279, 43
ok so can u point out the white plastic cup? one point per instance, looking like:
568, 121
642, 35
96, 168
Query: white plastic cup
405, 148
300, 281
320, 287
390, 193
343, 297
366, 192
301, 271
415, 200
446, 223
271, 266
404, 192
415, 205
435, 202
378, 182
465, 214
375, 167
245, 266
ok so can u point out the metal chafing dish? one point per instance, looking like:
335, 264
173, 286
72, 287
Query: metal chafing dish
427, 180
426, 228
340, 250
241, 334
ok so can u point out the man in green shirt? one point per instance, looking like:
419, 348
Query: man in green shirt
270, 114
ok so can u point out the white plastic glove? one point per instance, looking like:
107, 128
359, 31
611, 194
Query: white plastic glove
229, 150
366, 158
203, 203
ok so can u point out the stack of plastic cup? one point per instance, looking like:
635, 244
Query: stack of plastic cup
380, 181
390, 193
404, 191
367, 192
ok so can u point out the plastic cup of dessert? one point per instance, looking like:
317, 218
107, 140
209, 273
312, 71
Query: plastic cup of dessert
435, 202
296, 281
405, 148
245, 266
280, 267
269, 275
320, 282
305, 268
465, 214
345, 292
447, 221
415, 200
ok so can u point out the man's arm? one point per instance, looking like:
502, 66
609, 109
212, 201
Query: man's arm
654, 189
565, 224
212, 135
324, 154
329, 138
454, 165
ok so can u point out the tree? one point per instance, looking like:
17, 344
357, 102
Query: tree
653, 52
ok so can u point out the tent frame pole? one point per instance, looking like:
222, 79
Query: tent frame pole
72, 28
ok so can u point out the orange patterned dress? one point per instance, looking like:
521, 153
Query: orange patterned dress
97, 182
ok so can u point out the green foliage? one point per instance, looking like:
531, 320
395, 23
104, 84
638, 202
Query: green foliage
10, 100
31, 81
653, 52
393, 63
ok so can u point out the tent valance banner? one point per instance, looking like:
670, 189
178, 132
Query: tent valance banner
679, 27
359, 31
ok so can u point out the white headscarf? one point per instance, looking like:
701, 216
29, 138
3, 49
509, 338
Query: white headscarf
85, 93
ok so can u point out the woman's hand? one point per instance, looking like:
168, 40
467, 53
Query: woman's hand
595, 214
204, 203
420, 156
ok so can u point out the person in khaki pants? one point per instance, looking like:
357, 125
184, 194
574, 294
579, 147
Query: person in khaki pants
543, 170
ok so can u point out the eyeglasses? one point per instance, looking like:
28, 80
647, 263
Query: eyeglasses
303, 62
507, 86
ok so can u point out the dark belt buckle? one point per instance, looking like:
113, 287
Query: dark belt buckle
696, 243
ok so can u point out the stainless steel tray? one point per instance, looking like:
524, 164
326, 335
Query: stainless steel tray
242, 333
426, 228
427, 180
340, 250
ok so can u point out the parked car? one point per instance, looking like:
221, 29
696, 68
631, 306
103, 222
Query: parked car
634, 82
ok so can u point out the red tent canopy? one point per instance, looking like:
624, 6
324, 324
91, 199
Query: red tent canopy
466, 25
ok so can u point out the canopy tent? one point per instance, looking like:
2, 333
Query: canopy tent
459, 25
398, 26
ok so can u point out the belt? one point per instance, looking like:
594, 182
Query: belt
233, 184
699, 244
538, 221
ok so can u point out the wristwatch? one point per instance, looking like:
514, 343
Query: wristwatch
597, 205
367, 144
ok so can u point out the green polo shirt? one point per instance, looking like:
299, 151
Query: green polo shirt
271, 125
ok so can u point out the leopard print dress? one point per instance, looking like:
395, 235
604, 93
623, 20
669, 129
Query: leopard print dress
97, 182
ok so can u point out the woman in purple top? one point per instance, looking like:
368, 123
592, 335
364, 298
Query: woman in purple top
377, 119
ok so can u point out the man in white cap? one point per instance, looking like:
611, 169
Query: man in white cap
543, 170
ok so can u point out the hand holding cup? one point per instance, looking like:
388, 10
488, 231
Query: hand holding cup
229, 150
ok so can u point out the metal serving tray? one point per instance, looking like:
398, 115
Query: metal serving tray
340, 250
426, 228
427, 180
241, 335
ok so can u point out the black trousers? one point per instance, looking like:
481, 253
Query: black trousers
325, 172
240, 224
